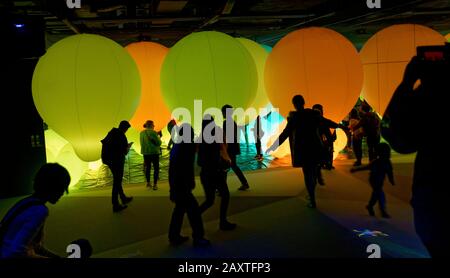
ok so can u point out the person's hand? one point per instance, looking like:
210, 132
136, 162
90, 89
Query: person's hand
412, 72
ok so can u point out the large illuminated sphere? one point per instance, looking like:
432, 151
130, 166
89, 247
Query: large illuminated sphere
318, 63
259, 55
340, 143
208, 66
385, 56
149, 57
72, 163
82, 87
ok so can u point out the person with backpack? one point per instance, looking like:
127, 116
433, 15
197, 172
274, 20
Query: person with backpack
114, 149
22, 228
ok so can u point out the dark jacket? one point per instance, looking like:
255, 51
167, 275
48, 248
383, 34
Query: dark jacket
233, 147
181, 169
115, 147
302, 130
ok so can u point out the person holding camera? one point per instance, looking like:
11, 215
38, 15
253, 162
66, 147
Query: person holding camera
406, 114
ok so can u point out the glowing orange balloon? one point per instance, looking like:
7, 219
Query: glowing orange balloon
318, 63
149, 57
385, 56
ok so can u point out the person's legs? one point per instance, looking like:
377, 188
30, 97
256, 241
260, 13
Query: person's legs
194, 216
155, 162
224, 202
147, 166
357, 149
117, 189
309, 173
176, 221
372, 142
238, 172
210, 190
373, 200
320, 179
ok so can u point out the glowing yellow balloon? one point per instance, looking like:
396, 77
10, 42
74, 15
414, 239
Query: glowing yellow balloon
385, 56
340, 143
209, 66
318, 63
82, 87
72, 163
149, 57
259, 55
133, 135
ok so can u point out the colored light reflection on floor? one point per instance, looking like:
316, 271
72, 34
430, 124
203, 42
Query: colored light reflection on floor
370, 233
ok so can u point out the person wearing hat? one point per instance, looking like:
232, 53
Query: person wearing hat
150, 149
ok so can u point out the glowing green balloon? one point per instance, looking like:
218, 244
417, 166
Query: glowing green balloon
259, 55
82, 87
210, 66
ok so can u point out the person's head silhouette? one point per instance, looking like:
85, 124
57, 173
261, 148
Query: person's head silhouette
124, 126
50, 182
299, 102
384, 151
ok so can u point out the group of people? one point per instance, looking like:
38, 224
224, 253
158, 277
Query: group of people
21, 229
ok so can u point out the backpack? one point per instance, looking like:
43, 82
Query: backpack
106, 150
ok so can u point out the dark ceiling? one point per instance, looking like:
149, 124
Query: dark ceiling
265, 21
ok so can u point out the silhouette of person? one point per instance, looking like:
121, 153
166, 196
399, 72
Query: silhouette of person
379, 168
214, 162
258, 134
150, 149
327, 137
114, 149
170, 126
370, 122
182, 182
408, 109
231, 138
22, 228
302, 129
357, 136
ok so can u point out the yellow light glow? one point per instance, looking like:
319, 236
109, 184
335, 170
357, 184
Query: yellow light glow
209, 66
340, 143
82, 87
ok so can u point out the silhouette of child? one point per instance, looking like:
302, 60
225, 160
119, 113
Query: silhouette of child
380, 167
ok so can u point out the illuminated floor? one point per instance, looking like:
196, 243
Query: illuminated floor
272, 219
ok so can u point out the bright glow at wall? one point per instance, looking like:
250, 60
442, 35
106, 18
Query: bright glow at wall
149, 57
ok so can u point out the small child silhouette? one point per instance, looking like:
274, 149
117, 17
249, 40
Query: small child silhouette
379, 168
